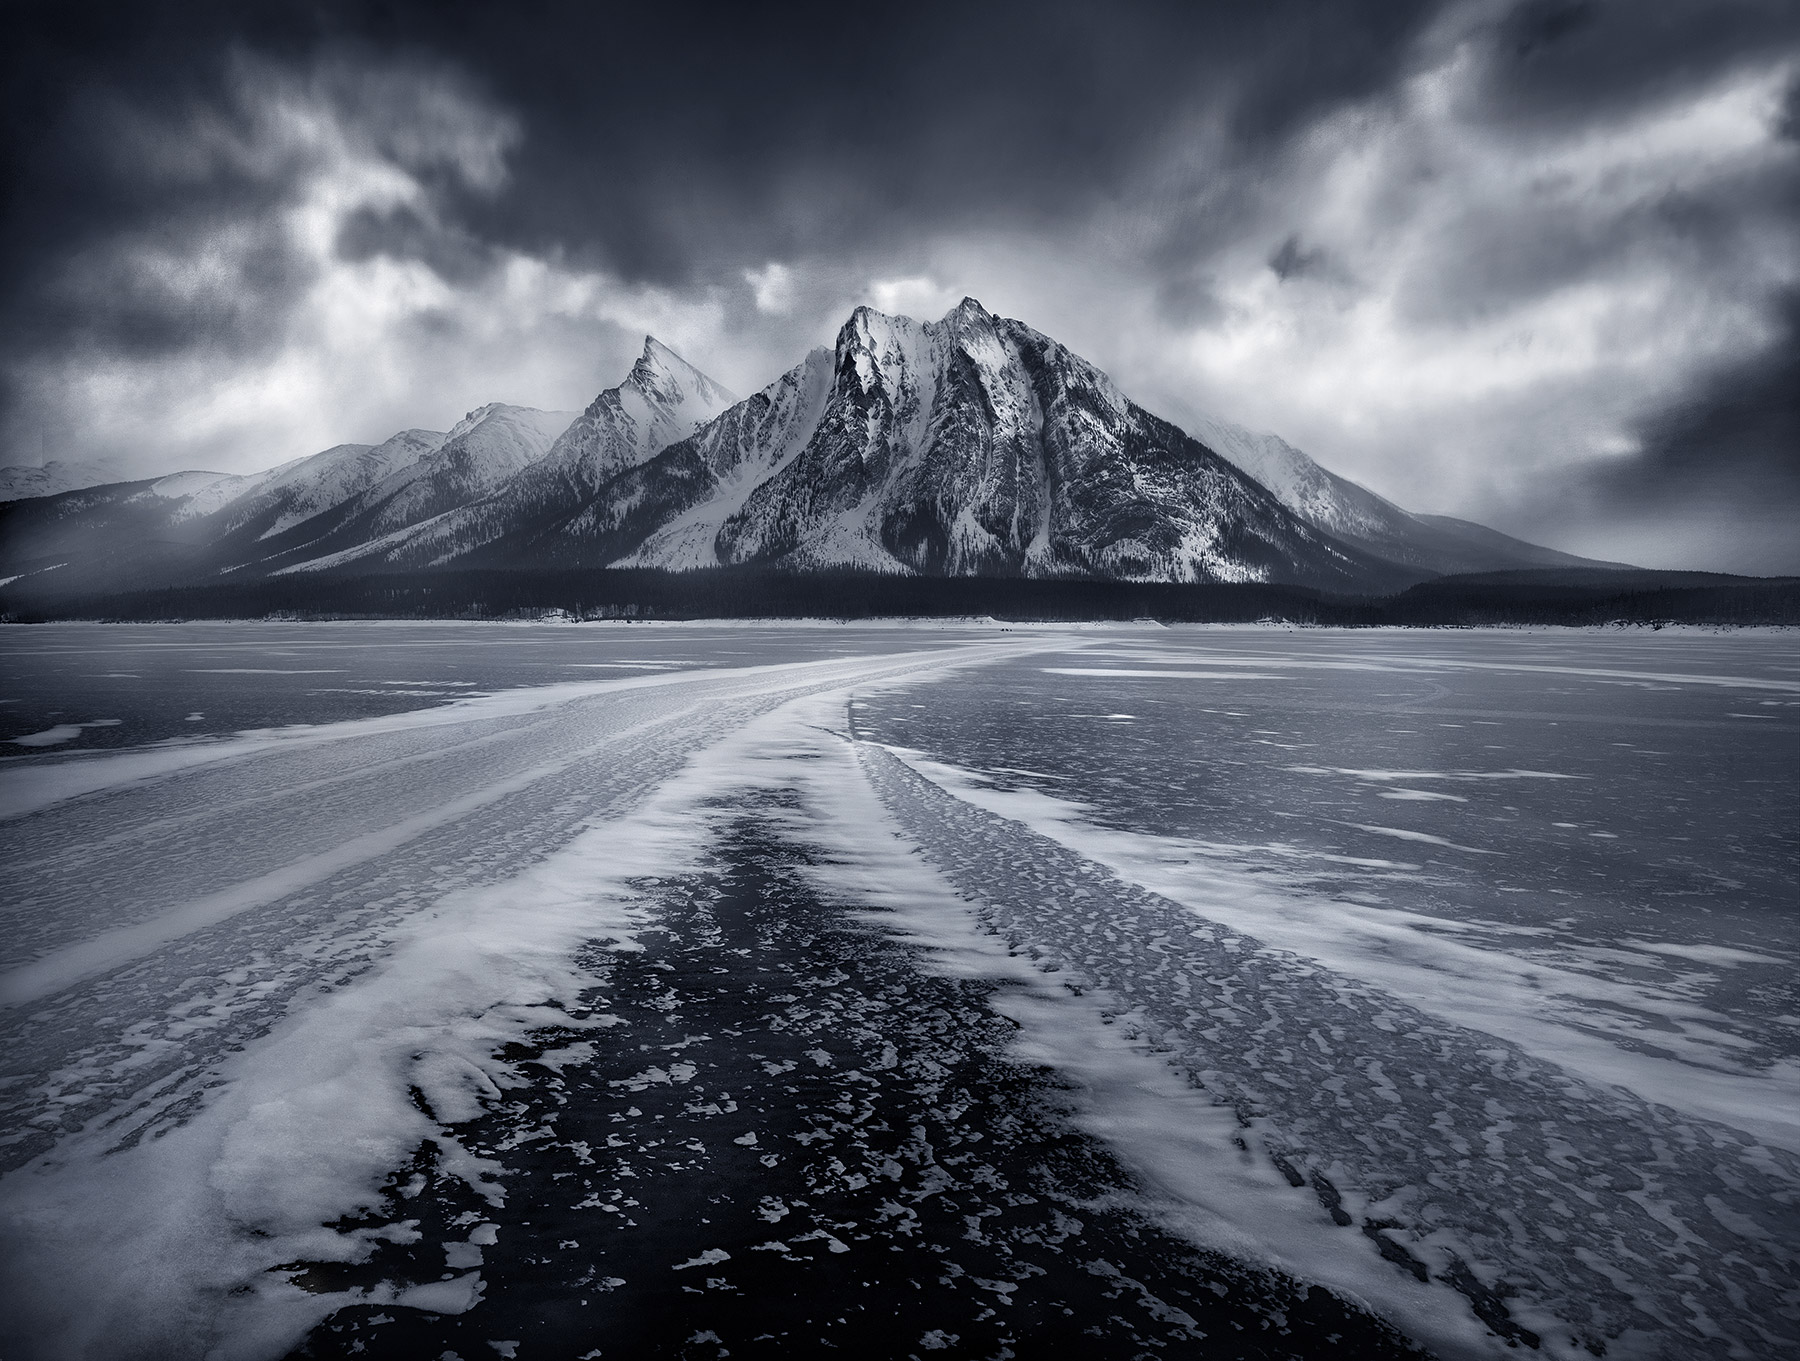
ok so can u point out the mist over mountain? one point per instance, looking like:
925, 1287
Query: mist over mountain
1356, 515
18, 481
969, 446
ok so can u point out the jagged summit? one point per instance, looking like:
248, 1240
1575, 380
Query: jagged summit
974, 445
474, 418
660, 368
662, 399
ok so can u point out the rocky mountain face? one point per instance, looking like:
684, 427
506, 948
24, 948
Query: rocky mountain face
971, 445
663, 399
968, 446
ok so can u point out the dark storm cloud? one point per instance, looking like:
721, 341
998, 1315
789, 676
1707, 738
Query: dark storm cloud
1553, 61
1722, 461
780, 131
1739, 432
670, 144
1560, 64
678, 154
100, 172
455, 256
1295, 261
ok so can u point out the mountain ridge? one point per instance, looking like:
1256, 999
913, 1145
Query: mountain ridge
972, 445
1350, 511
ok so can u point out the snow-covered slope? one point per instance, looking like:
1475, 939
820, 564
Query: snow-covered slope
482, 452
1358, 516
1321, 498
661, 400
196, 526
966, 446
331, 478
971, 445
18, 482
731, 457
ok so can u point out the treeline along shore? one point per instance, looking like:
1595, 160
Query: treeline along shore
1559, 597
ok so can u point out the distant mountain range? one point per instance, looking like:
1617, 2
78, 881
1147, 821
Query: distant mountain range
968, 446
18, 481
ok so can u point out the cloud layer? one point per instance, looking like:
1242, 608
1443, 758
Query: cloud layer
1533, 263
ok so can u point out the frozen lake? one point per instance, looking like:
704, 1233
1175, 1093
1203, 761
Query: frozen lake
682, 990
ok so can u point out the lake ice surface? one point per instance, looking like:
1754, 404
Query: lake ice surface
1451, 971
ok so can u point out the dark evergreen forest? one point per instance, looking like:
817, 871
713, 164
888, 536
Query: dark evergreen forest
1529, 597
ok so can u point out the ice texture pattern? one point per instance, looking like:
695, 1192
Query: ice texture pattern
514, 1018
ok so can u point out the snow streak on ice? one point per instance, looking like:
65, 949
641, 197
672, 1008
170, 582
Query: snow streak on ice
229, 1077
373, 990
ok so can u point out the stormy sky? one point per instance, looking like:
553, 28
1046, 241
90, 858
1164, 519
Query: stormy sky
1533, 263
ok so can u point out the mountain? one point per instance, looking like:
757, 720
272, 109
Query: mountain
18, 481
301, 490
968, 446
116, 536
661, 400
731, 458
194, 526
1356, 515
242, 514
484, 451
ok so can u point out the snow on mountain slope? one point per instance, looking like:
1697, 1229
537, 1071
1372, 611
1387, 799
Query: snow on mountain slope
743, 448
119, 535
1316, 495
333, 477
184, 486
18, 482
1358, 516
208, 498
663, 399
483, 451
965, 446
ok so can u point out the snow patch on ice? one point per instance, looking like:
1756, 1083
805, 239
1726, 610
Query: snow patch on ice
62, 732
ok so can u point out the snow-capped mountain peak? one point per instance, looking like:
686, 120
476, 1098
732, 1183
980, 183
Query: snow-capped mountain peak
663, 399
666, 377
483, 450
473, 419
963, 446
